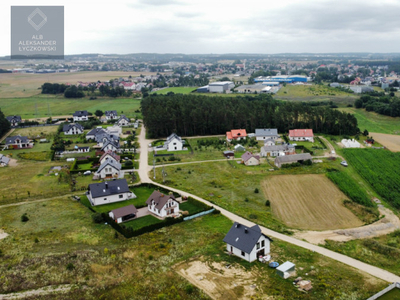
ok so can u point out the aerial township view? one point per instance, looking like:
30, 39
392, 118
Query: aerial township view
198, 150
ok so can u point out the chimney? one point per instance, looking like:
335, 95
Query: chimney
245, 230
106, 184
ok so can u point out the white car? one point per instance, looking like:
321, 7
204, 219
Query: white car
87, 173
344, 163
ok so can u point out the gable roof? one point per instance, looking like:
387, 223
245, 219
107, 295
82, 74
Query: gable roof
243, 237
108, 188
110, 112
124, 211
112, 154
80, 113
301, 133
277, 147
67, 127
122, 117
173, 136
108, 142
4, 159
96, 131
236, 133
294, 157
267, 132
11, 139
111, 163
159, 199
14, 118
247, 155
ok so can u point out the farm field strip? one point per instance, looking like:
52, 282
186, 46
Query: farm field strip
390, 141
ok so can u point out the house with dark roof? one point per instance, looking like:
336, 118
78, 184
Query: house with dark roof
229, 154
18, 142
301, 135
91, 135
109, 169
123, 214
109, 145
109, 192
173, 143
109, 155
162, 205
73, 128
123, 121
266, 133
277, 150
14, 120
269, 142
111, 114
80, 115
250, 160
248, 243
289, 159
236, 134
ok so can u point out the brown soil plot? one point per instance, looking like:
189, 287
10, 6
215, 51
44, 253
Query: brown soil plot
390, 141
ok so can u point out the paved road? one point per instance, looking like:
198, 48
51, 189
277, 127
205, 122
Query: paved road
377, 272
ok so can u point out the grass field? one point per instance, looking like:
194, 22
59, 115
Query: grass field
176, 90
390, 141
60, 106
63, 246
374, 122
310, 202
27, 85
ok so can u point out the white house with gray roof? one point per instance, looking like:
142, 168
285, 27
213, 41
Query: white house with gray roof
111, 114
91, 135
162, 205
80, 115
18, 142
109, 192
248, 243
174, 143
109, 168
14, 120
123, 121
70, 129
277, 150
266, 133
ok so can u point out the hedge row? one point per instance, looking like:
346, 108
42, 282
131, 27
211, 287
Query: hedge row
305, 149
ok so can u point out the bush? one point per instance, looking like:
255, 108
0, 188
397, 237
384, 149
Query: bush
128, 163
70, 266
97, 218
36, 240
256, 191
189, 289
24, 218
268, 203
1, 253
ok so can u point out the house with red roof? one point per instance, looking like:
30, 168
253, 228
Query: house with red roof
236, 134
301, 135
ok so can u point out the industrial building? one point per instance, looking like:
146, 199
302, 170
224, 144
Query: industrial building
257, 88
361, 89
217, 87
282, 78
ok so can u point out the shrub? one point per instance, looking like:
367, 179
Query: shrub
1, 253
268, 203
256, 191
97, 218
253, 216
189, 289
24, 218
36, 240
246, 200
70, 266
128, 163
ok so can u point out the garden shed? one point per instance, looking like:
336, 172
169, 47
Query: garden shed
286, 269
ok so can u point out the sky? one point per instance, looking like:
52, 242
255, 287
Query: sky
211, 26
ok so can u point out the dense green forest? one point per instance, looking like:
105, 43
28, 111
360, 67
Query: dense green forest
380, 168
384, 105
189, 115
4, 124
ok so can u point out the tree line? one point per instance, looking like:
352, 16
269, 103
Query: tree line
79, 92
384, 105
189, 115
4, 124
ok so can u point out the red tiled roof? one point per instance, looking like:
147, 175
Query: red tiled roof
301, 133
236, 133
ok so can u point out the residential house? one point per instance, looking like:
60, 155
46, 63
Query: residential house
162, 205
350, 143
4, 160
14, 120
250, 160
111, 114
73, 128
229, 154
114, 130
109, 155
110, 145
18, 142
288, 159
239, 148
123, 121
91, 135
301, 135
108, 169
128, 85
269, 142
109, 192
174, 143
266, 133
80, 115
236, 134
123, 214
277, 150
248, 243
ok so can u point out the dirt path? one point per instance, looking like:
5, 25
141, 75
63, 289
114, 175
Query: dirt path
38, 292
382, 227
196, 162
331, 148
39, 200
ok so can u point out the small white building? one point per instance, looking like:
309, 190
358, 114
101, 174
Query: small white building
239, 148
174, 143
80, 115
247, 243
111, 114
4, 160
162, 205
123, 214
351, 143
70, 129
109, 192
109, 169
123, 121
286, 269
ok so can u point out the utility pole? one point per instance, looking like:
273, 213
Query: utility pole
154, 168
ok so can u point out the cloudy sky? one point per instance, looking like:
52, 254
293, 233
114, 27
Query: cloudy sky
211, 26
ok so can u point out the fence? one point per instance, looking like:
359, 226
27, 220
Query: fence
200, 214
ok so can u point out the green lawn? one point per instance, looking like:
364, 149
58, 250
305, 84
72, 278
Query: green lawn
37, 147
176, 90
142, 222
60, 106
192, 208
374, 122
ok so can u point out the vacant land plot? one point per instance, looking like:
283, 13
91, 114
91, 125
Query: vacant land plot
308, 202
32, 132
374, 122
48, 105
176, 90
390, 141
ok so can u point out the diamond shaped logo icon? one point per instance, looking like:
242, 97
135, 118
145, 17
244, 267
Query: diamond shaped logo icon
37, 11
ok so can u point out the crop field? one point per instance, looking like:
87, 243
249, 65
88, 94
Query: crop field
380, 168
27, 85
48, 105
374, 122
390, 141
176, 90
308, 202
63, 247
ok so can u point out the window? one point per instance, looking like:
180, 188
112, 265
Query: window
262, 243
242, 253
121, 196
105, 199
258, 246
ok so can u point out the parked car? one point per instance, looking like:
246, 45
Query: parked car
87, 173
344, 163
